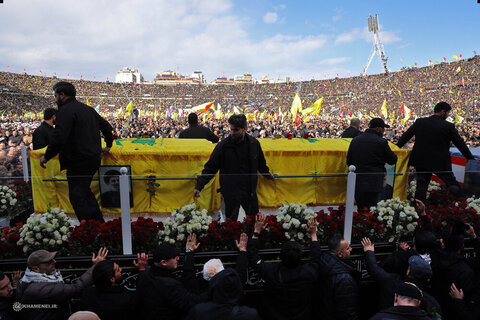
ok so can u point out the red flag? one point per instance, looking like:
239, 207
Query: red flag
40, 71
349, 114
341, 114
460, 55
415, 64
297, 120
403, 108
444, 59
429, 61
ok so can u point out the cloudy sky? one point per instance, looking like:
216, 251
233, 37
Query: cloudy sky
302, 39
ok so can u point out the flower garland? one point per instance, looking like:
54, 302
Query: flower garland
184, 221
45, 231
295, 218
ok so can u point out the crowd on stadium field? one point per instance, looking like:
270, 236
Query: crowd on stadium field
428, 280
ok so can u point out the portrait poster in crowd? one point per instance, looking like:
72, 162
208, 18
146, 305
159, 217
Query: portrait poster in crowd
388, 182
109, 178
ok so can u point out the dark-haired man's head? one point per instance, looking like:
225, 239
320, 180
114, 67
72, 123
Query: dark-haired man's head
166, 256
49, 115
291, 254
238, 127
442, 109
6, 289
106, 274
192, 119
339, 247
424, 241
63, 91
355, 123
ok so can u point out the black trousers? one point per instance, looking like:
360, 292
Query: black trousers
365, 199
249, 203
423, 180
81, 197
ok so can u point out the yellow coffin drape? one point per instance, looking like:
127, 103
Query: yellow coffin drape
177, 158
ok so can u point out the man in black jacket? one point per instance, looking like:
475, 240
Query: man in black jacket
76, 139
7, 297
431, 151
339, 283
42, 135
369, 152
108, 298
289, 284
406, 304
238, 157
196, 131
160, 294
353, 130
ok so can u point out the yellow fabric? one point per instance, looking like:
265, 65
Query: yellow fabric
186, 157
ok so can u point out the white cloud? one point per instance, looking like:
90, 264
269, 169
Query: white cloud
270, 17
97, 38
385, 36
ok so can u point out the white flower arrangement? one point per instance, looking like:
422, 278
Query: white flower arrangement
398, 217
474, 204
412, 188
184, 221
47, 231
294, 218
8, 200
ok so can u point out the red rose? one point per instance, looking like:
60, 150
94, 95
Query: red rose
289, 136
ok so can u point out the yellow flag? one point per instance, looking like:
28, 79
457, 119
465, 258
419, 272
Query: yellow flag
454, 57
458, 70
296, 106
383, 109
129, 106
88, 103
458, 119
408, 112
120, 111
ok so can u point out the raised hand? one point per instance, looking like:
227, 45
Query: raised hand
142, 261
420, 207
259, 223
312, 228
192, 244
242, 244
101, 255
455, 293
367, 245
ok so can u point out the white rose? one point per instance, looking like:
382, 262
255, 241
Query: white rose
286, 226
52, 242
4, 201
59, 241
300, 235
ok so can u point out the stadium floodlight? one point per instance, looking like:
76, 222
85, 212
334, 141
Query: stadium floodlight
377, 45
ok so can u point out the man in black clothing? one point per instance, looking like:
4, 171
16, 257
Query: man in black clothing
406, 304
353, 130
339, 282
160, 294
77, 140
196, 131
7, 298
238, 157
42, 135
431, 151
108, 298
289, 284
369, 152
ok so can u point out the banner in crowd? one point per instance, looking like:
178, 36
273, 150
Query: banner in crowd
176, 160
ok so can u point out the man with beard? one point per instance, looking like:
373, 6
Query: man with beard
77, 140
6, 299
238, 157
431, 151
108, 298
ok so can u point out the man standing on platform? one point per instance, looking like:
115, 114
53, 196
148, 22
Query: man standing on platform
196, 131
42, 135
369, 152
238, 157
431, 151
77, 140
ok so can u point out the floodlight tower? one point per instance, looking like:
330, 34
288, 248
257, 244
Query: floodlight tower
377, 44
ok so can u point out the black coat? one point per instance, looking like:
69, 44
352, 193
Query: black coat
224, 158
109, 303
6, 309
42, 135
225, 291
339, 287
369, 152
388, 283
77, 135
161, 296
198, 132
288, 291
431, 150
401, 313
351, 132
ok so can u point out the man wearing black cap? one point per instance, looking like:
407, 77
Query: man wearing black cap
406, 304
160, 294
369, 152
43, 284
431, 151
196, 131
42, 135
